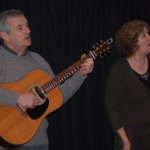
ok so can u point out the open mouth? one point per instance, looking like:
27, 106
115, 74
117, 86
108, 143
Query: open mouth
28, 37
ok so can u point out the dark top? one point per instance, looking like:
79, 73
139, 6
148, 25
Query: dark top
127, 97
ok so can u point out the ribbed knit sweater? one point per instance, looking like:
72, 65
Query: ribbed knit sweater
14, 67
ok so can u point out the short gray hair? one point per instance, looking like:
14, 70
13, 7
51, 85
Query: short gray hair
4, 26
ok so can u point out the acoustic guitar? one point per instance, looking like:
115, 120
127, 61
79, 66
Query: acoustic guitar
19, 125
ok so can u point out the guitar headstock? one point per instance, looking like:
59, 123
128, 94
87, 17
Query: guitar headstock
101, 48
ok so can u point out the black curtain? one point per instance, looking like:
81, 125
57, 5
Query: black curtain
61, 31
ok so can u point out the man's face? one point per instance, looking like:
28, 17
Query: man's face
19, 36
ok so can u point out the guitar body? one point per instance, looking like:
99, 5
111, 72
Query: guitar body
16, 127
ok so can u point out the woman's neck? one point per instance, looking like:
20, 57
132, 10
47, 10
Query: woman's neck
138, 63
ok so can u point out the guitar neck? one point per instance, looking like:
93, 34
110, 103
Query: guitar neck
64, 75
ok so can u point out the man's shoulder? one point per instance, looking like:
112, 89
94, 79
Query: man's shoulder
36, 55
39, 58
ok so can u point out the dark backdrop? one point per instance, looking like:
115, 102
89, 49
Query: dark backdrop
62, 30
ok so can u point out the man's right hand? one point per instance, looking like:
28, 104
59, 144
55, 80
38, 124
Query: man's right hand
28, 100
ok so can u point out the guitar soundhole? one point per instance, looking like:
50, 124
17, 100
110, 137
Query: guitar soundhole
38, 111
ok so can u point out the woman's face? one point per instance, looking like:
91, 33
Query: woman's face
144, 42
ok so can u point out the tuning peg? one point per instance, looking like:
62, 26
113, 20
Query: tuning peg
110, 41
101, 41
97, 44
93, 46
108, 51
101, 56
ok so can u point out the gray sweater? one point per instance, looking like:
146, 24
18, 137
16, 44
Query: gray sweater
14, 67
127, 98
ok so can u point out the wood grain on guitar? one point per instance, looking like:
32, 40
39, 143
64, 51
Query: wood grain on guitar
18, 127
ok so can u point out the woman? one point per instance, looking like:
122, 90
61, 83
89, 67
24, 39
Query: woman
128, 88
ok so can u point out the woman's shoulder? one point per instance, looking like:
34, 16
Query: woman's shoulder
120, 65
119, 70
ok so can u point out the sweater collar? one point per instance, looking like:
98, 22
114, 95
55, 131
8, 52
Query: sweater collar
12, 51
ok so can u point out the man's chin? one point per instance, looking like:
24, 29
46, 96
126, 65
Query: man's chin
28, 44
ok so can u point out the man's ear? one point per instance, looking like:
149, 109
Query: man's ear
4, 36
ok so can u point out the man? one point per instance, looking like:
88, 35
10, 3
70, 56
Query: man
16, 62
